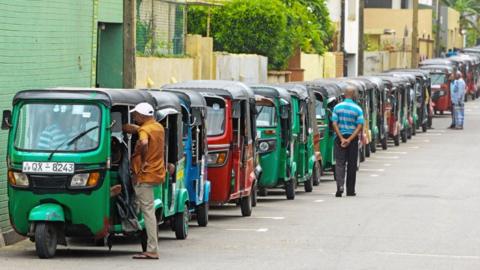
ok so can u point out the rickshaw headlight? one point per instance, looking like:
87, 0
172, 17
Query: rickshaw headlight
266, 146
79, 180
17, 179
216, 159
263, 147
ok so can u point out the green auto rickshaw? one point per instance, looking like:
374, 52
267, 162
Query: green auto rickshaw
302, 145
273, 120
66, 150
327, 94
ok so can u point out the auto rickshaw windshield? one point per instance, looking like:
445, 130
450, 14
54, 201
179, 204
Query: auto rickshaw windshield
437, 78
266, 115
68, 127
215, 116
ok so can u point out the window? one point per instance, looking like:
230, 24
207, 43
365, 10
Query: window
215, 117
57, 127
437, 78
266, 116
319, 110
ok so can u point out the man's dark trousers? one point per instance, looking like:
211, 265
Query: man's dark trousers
346, 156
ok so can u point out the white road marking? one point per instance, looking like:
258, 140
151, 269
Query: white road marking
385, 157
433, 134
430, 255
394, 152
426, 140
372, 170
374, 175
249, 230
414, 147
274, 218
387, 164
318, 201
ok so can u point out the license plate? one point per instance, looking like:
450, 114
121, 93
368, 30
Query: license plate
49, 167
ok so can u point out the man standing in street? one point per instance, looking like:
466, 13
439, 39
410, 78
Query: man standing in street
347, 122
458, 101
148, 169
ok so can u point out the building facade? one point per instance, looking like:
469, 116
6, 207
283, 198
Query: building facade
50, 44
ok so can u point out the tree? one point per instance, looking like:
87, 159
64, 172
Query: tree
469, 11
273, 28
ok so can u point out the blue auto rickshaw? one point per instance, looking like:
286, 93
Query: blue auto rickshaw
194, 112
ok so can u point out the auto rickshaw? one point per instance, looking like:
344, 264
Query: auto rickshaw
302, 145
274, 121
470, 67
423, 96
440, 84
392, 107
194, 113
62, 165
327, 94
231, 135
412, 87
378, 97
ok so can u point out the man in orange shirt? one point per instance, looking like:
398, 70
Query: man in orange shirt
148, 170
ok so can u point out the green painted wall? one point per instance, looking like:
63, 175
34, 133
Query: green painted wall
47, 44
110, 11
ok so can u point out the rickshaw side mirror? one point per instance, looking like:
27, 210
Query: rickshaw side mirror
6, 120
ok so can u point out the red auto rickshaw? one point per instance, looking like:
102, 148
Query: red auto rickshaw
231, 135
440, 79
470, 66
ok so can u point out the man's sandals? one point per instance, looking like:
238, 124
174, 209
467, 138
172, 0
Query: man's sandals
145, 256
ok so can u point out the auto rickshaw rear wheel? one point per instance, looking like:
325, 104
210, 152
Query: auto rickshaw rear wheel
367, 150
262, 192
254, 194
290, 189
181, 223
409, 133
46, 238
396, 139
317, 172
246, 205
384, 143
424, 127
373, 145
308, 185
202, 214
361, 152
404, 136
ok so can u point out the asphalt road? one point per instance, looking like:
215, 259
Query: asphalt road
418, 207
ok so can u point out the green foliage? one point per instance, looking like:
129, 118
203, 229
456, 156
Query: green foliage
273, 28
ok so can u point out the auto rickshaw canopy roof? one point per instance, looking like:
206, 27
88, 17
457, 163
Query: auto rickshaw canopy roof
379, 83
326, 88
109, 97
195, 99
439, 61
297, 89
272, 91
230, 89
447, 69
164, 100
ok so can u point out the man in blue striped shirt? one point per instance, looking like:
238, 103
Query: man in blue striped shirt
347, 121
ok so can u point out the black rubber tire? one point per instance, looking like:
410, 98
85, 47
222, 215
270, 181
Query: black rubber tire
384, 143
46, 239
409, 133
254, 194
404, 136
202, 214
396, 139
367, 150
181, 224
373, 146
290, 189
308, 185
424, 127
362, 154
317, 172
246, 205
414, 131
441, 112
144, 240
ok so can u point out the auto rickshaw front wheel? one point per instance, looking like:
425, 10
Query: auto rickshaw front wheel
181, 223
202, 214
396, 139
254, 194
424, 127
308, 185
384, 143
290, 189
46, 238
373, 145
246, 205
404, 136
367, 150
317, 172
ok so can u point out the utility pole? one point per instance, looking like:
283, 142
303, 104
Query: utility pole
439, 29
415, 35
129, 36
343, 21
361, 7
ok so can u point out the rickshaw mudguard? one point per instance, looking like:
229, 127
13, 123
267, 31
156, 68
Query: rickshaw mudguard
206, 191
47, 212
181, 201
